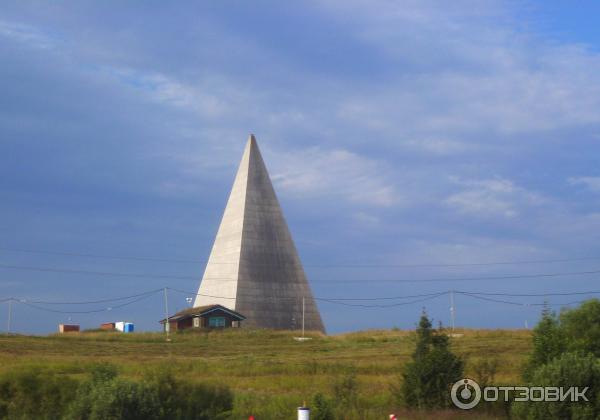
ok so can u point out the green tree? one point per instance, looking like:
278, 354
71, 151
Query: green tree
569, 369
582, 327
433, 369
549, 342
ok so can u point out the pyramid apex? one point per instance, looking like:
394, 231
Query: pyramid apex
252, 139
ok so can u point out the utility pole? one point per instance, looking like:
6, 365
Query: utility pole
452, 310
9, 315
167, 325
303, 305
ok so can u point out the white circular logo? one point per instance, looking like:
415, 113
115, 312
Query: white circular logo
465, 394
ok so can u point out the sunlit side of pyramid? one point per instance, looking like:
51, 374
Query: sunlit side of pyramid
254, 267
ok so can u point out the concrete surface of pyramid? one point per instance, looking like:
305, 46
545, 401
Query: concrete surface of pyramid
253, 266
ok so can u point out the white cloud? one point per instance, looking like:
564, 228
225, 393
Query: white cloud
26, 34
335, 173
366, 219
439, 146
492, 197
590, 182
210, 97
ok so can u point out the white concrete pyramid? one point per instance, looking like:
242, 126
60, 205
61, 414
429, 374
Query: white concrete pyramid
254, 267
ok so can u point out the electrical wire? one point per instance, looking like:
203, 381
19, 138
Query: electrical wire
519, 303
43, 302
337, 302
482, 295
89, 311
532, 294
99, 273
322, 298
341, 265
164, 276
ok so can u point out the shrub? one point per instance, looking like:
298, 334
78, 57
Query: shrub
39, 394
321, 408
34, 394
345, 391
186, 400
105, 396
570, 369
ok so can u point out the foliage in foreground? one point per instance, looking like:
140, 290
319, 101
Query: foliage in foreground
570, 369
38, 394
574, 330
566, 352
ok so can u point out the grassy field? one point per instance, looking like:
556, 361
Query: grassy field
269, 371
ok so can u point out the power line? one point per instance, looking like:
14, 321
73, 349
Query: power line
187, 292
98, 273
340, 301
42, 302
178, 277
90, 311
592, 292
441, 279
520, 303
334, 300
107, 257
386, 297
340, 265
337, 302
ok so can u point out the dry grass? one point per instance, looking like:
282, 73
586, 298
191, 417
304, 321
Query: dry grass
268, 367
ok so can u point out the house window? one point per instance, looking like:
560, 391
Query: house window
196, 322
216, 321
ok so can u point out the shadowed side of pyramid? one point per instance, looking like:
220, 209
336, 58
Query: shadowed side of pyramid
258, 261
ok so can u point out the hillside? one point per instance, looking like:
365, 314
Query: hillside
268, 370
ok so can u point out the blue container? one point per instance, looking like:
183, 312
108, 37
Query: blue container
128, 327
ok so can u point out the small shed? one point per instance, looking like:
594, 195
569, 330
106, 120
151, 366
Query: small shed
64, 328
211, 316
108, 326
126, 327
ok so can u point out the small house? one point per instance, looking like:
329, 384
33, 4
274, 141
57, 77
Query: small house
108, 326
65, 328
211, 316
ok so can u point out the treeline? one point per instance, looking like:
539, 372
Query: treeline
36, 393
566, 353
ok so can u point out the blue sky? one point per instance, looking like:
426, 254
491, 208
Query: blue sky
396, 133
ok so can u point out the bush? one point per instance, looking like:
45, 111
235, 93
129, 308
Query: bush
38, 394
185, 400
570, 369
114, 398
433, 369
321, 408
34, 394
345, 391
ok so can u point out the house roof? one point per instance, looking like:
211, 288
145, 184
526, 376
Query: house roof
202, 311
